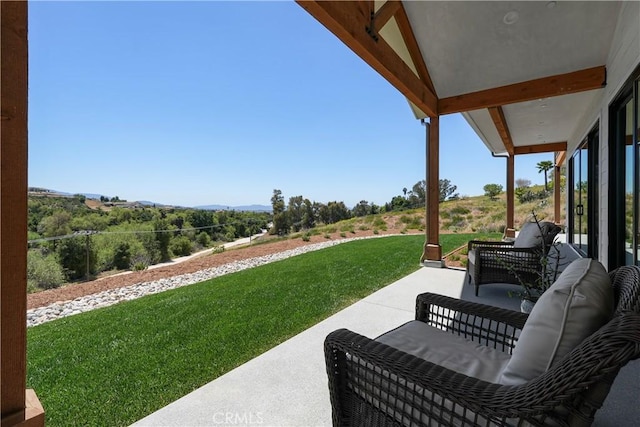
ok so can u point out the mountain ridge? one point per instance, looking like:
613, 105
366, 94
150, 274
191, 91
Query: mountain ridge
97, 196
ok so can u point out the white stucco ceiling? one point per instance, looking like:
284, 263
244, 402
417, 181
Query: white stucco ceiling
477, 45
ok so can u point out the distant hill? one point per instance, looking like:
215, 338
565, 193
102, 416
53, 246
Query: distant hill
247, 208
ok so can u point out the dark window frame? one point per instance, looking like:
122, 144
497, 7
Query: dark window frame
617, 173
591, 143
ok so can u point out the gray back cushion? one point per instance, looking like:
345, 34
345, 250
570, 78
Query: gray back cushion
530, 235
575, 306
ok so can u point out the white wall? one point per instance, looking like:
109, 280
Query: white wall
624, 57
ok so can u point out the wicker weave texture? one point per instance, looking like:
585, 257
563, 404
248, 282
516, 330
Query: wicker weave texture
372, 384
500, 262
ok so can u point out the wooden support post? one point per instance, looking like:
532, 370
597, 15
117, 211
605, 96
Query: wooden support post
17, 405
556, 194
510, 231
432, 253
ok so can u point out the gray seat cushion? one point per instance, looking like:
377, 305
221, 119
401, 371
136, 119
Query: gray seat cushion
575, 306
448, 350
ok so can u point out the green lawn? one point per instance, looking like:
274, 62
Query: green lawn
115, 365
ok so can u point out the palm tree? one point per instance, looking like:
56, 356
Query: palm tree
545, 166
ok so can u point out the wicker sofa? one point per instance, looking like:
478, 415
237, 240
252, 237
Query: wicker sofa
419, 374
511, 261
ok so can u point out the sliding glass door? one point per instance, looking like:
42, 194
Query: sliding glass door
583, 167
624, 199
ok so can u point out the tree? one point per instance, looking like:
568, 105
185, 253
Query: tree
492, 190
280, 221
163, 238
522, 183
418, 194
545, 166
308, 214
72, 254
56, 224
122, 256
277, 202
447, 190
361, 209
338, 211
296, 212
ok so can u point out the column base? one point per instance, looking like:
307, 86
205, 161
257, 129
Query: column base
433, 264
432, 256
31, 416
510, 233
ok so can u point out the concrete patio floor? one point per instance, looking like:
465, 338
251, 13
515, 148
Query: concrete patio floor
287, 385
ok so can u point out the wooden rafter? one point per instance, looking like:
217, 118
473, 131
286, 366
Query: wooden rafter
348, 20
385, 13
411, 43
562, 84
497, 115
541, 148
560, 158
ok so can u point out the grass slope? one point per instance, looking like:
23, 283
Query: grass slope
116, 365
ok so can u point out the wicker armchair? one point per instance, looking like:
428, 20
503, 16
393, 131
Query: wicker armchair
514, 261
373, 384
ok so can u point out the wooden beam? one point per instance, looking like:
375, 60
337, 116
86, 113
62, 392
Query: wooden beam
510, 230
556, 194
411, 43
561, 84
432, 249
541, 148
497, 115
385, 13
13, 209
560, 158
348, 20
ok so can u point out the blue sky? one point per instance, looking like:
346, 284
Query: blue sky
221, 103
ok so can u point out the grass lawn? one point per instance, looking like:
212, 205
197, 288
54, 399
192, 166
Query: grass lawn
115, 365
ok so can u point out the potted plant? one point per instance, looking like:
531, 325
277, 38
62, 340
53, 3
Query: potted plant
550, 262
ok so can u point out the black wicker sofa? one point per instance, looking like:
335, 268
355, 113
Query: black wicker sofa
420, 374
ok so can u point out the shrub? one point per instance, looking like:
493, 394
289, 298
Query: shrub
306, 237
525, 195
203, 239
347, 227
180, 246
217, 249
460, 210
379, 222
122, 256
139, 263
43, 271
492, 191
412, 222
72, 254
